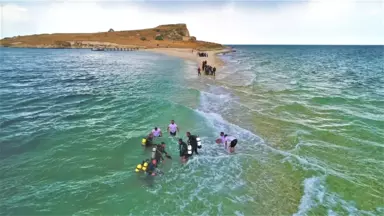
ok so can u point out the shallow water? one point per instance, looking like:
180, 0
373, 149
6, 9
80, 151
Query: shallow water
309, 120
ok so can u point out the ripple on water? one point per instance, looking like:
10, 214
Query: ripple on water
309, 135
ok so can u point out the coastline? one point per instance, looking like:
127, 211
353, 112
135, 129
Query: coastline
187, 54
183, 53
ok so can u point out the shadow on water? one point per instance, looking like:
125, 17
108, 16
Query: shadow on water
148, 180
21, 145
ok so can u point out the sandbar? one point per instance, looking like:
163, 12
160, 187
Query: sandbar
191, 54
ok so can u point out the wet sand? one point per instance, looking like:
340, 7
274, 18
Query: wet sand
187, 54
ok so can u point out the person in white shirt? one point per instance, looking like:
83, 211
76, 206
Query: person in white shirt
232, 142
157, 132
172, 128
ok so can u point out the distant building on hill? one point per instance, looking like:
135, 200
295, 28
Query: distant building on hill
111, 30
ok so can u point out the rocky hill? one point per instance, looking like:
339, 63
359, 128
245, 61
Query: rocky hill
172, 36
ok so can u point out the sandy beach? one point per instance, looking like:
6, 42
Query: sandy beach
190, 54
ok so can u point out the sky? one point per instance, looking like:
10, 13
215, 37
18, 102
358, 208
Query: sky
225, 22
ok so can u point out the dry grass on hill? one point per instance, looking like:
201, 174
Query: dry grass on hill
172, 36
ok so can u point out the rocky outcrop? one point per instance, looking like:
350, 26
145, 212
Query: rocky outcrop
173, 35
62, 44
111, 30
181, 29
173, 31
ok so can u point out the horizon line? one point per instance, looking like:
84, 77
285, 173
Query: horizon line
303, 44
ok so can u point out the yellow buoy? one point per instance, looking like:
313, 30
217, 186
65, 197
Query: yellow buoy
137, 170
144, 168
145, 164
138, 166
143, 141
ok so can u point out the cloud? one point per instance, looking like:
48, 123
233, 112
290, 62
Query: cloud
13, 18
14, 13
230, 22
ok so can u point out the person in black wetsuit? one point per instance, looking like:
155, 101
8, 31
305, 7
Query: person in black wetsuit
193, 142
183, 149
149, 141
160, 150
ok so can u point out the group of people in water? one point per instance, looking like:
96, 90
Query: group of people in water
208, 70
186, 149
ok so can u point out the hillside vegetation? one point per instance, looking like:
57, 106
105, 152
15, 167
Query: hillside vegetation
172, 36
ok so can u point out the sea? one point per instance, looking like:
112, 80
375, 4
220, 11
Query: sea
309, 122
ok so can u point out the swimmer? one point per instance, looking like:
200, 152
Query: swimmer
221, 139
232, 142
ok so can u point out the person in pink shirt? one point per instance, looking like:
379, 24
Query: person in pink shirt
172, 128
157, 132
221, 139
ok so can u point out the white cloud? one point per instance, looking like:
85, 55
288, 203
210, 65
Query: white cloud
13, 18
14, 13
320, 22
329, 10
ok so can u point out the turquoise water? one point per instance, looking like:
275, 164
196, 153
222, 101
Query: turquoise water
309, 119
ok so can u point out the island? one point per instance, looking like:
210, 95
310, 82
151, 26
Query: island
162, 36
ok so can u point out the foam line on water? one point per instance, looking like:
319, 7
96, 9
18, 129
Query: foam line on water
218, 123
313, 195
211, 102
316, 194
251, 141
238, 213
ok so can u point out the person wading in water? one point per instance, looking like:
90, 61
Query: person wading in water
172, 128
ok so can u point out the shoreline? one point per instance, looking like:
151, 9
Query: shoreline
191, 54
183, 53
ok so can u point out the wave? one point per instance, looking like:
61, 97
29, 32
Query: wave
218, 123
250, 142
313, 195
